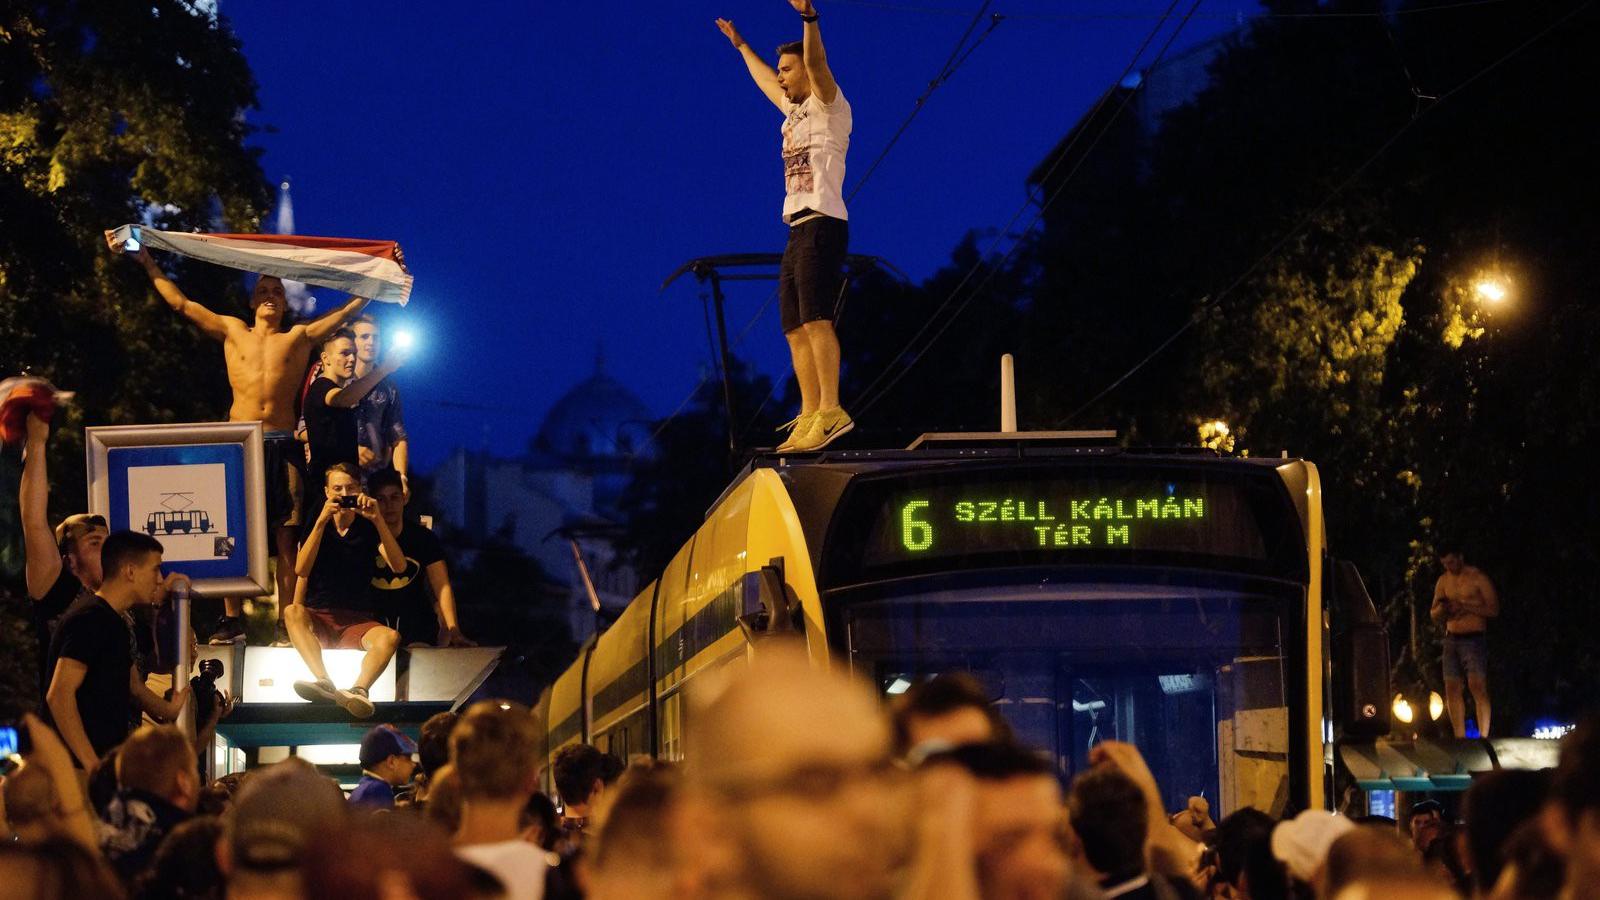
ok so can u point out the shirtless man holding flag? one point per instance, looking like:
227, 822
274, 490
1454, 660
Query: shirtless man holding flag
266, 364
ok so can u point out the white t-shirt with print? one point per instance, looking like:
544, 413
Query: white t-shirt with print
519, 865
815, 138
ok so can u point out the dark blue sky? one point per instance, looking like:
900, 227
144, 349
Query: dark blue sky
546, 165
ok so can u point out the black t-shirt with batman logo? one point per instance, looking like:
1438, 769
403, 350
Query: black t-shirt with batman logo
405, 599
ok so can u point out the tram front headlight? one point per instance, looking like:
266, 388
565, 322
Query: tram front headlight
1402, 709
1435, 705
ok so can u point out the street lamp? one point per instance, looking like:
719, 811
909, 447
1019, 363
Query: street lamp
1491, 289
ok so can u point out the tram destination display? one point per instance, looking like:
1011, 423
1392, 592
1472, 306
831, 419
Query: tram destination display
1063, 516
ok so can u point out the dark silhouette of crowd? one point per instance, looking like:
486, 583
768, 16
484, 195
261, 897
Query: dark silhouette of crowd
797, 783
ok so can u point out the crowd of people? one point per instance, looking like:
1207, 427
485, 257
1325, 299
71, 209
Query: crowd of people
797, 783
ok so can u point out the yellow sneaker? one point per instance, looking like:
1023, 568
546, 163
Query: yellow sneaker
827, 426
797, 428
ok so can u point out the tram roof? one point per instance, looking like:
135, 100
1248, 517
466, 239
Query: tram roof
995, 446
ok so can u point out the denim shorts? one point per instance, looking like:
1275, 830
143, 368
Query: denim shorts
1465, 652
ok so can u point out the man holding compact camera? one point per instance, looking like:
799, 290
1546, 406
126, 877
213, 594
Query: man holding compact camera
333, 604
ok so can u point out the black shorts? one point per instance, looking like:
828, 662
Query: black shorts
282, 460
812, 271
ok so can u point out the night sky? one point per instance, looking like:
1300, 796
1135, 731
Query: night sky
547, 165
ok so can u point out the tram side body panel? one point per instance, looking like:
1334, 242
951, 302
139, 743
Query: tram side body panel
618, 684
754, 525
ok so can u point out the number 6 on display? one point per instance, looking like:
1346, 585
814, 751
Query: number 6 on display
914, 532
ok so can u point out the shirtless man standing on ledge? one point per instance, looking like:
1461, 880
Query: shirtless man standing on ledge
1464, 601
266, 364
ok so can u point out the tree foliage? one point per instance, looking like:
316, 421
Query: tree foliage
113, 113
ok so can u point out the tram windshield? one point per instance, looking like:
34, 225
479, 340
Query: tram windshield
1195, 678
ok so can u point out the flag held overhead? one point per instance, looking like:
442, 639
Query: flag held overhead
364, 268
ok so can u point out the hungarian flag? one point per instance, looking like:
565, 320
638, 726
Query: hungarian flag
374, 269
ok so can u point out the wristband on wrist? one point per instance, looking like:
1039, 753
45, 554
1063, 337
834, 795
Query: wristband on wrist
811, 18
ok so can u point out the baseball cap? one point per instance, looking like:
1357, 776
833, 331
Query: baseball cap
383, 742
76, 526
277, 811
1302, 842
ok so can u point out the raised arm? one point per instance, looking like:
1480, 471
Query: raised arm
812, 54
38, 541
319, 328
307, 557
760, 72
214, 326
351, 394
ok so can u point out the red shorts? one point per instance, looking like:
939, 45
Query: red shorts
341, 629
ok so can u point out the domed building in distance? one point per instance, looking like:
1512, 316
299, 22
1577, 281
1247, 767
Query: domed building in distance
566, 487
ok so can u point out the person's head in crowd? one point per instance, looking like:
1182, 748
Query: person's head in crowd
582, 773
56, 868
541, 824
32, 806
947, 710
386, 754
1244, 861
185, 865
1425, 822
647, 847
1017, 818
1574, 822
364, 331
342, 480
216, 796
386, 487
1364, 853
1530, 868
131, 565
401, 857
1392, 886
1446, 859
433, 747
494, 747
1109, 815
268, 301
338, 356
270, 826
1496, 805
797, 763
79, 537
159, 760
1302, 843
444, 799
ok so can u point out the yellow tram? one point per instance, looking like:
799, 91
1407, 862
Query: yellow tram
1172, 599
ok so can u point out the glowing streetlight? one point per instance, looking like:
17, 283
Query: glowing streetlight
1491, 289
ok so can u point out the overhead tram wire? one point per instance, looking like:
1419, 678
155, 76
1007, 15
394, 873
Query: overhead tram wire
1208, 303
871, 395
1136, 16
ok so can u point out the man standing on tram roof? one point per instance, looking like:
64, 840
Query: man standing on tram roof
816, 135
